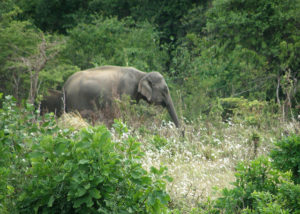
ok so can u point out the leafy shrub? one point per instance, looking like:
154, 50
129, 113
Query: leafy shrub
286, 156
91, 174
285, 201
288, 196
45, 169
256, 176
159, 141
20, 128
265, 202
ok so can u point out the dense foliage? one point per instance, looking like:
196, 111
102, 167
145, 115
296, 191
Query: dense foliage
207, 49
49, 170
286, 156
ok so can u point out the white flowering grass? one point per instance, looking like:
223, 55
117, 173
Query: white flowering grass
205, 158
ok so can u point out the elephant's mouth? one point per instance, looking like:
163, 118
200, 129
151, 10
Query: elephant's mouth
163, 104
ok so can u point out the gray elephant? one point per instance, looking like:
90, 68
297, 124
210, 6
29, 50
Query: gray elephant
52, 102
94, 88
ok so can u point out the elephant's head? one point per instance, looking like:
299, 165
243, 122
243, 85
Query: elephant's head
154, 88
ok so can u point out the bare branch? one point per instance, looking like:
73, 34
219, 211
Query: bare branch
35, 63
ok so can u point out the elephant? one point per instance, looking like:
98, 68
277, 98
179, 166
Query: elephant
52, 102
94, 88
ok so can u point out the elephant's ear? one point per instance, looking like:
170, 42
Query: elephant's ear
145, 88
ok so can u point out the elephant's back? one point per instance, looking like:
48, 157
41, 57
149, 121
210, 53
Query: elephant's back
113, 70
86, 85
111, 73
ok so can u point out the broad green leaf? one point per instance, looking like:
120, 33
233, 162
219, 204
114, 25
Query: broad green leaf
51, 200
94, 193
80, 192
83, 162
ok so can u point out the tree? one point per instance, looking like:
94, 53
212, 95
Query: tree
267, 29
25, 53
109, 41
239, 48
35, 63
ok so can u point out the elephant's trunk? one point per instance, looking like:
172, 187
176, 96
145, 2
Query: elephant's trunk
172, 112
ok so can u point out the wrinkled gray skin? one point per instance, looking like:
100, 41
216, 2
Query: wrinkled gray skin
94, 88
52, 102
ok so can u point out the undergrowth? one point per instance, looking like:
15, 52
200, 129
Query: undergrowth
144, 164
50, 169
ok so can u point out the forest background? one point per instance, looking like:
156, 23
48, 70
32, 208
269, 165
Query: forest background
206, 49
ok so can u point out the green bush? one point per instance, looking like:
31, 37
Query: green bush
91, 174
20, 128
158, 141
265, 203
45, 169
285, 201
286, 156
256, 176
259, 188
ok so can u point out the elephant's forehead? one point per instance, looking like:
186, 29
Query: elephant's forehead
156, 77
